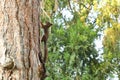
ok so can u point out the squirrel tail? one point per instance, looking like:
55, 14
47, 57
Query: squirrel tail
45, 51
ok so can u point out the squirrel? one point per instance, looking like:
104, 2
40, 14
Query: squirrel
45, 38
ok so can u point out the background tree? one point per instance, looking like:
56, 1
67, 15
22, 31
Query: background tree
72, 54
109, 20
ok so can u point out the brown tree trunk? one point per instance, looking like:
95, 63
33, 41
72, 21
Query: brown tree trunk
20, 40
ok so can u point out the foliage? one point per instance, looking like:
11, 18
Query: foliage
108, 18
72, 53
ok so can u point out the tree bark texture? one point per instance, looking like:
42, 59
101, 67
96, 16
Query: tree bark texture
20, 40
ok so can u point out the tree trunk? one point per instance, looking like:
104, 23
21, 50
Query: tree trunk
20, 55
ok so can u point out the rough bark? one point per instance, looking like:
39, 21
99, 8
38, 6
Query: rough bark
20, 40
